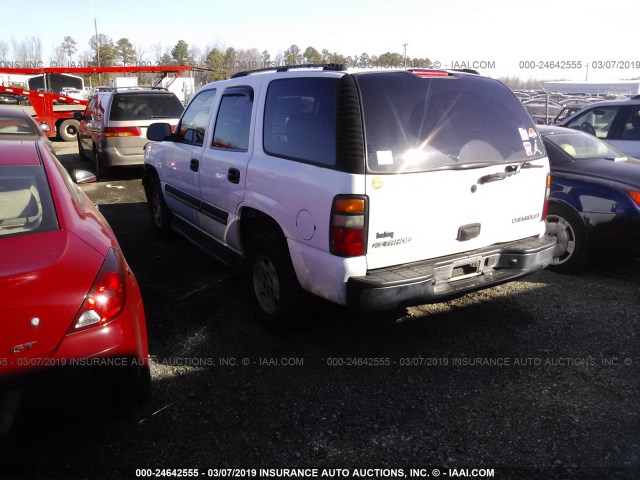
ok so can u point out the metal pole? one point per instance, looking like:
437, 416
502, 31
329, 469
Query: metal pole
405, 54
95, 23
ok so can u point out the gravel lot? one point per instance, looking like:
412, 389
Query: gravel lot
534, 379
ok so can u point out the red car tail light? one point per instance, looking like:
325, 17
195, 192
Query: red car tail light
635, 196
106, 297
348, 226
122, 132
547, 191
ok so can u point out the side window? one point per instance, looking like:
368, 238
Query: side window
595, 121
234, 119
193, 125
632, 124
300, 120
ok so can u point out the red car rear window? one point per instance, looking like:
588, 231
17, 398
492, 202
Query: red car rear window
26, 205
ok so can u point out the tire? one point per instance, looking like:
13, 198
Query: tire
68, 130
102, 171
161, 216
83, 156
571, 251
273, 286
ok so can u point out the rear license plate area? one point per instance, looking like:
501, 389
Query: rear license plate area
465, 269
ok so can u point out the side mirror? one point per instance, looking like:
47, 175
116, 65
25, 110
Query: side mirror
158, 131
83, 176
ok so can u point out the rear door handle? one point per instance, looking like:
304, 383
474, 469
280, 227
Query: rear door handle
194, 165
233, 175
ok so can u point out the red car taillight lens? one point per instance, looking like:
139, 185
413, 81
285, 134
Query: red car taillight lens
122, 132
106, 298
348, 226
635, 196
547, 191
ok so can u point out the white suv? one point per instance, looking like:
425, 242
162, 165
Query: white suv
370, 189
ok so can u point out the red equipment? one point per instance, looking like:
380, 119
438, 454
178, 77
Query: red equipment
60, 120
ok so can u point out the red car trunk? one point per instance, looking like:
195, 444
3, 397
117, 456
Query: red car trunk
35, 314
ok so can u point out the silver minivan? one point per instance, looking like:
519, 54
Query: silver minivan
113, 127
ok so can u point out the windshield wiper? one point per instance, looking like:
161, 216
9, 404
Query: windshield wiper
508, 171
528, 165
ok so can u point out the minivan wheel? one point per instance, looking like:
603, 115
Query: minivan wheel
570, 253
102, 171
272, 282
81, 154
161, 216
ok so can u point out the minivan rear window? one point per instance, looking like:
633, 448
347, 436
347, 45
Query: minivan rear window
416, 124
145, 106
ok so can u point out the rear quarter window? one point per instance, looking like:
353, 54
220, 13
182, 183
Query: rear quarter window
418, 124
300, 120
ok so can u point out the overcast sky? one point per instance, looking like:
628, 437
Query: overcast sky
500, 33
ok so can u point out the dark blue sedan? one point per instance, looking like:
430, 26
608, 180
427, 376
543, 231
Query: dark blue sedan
595, 197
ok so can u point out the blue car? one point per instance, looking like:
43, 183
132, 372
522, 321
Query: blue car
595, 197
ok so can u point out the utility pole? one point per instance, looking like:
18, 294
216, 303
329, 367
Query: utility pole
405, 54
95, 24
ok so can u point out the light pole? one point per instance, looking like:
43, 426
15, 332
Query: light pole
405, 54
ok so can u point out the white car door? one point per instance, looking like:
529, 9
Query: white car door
180, 169
223, 164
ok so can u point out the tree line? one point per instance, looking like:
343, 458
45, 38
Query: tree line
214, 63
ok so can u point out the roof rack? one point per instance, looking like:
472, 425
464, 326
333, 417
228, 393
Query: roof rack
338, 67
465, 70
132, 87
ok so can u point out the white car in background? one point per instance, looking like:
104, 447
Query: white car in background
74, 93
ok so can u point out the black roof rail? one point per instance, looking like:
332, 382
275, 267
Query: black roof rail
134, 88
338, 67
464, 70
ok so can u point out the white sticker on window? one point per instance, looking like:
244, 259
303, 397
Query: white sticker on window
527, 148
385, 157
524, 135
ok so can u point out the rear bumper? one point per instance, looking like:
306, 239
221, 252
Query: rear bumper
447, 277
122, 152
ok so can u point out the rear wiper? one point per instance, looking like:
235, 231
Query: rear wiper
526, 165
508, 171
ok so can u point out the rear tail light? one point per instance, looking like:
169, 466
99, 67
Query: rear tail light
106, 297
547, 191
348, 226
635, 196
122, 132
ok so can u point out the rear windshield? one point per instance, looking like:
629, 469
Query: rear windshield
415, 124
145, 106
25, 201
11, 126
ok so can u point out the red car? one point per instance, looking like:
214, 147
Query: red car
70, 306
